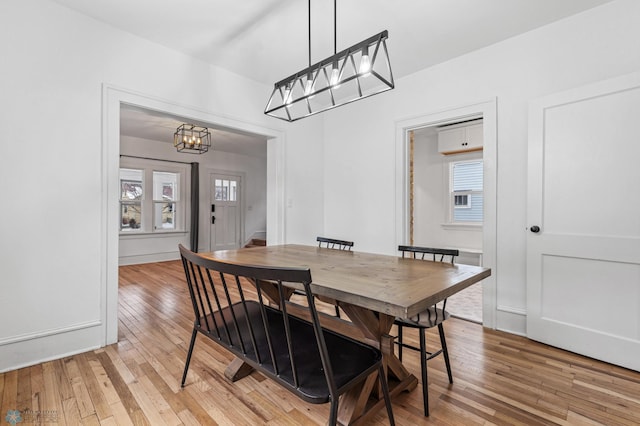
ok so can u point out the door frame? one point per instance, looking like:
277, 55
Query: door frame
488, 110
241, 201
112, 98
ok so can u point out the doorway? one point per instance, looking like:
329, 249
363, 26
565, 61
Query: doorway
405, 203
113, 98
446, 199
225, 226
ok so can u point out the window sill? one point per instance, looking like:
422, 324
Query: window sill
462, 226
135, 234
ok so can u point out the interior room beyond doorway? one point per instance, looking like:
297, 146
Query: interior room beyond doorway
446, 199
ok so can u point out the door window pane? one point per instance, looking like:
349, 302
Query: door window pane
225, 190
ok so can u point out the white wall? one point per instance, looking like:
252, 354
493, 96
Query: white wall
52, 263
359, 138
152, 248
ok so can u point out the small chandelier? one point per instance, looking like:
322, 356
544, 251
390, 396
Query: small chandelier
192, 139
355, 73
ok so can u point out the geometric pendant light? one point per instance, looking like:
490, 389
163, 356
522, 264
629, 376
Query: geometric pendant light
192, 139
355, 73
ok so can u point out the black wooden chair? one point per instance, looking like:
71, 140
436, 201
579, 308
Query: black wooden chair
429, 318
245, 309
332, 243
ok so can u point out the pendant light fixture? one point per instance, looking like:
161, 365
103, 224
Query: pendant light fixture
192, 139
355, 73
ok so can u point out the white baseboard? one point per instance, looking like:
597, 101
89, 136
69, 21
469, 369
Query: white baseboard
511, 320
148, 258
30, 349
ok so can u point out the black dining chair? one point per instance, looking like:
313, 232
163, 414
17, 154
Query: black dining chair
333, 243
431, 317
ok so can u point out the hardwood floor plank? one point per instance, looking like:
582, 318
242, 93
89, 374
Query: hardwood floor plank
71, 411
23, 399
9, 391
133, 410
179, 401
120, 415
2, 380
499, 378
55, 409
103, 381
80, 391
37, 388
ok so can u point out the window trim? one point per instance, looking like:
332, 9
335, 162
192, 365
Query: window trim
450, 194
148, 203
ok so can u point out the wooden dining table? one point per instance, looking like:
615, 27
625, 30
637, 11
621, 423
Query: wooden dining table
372, 290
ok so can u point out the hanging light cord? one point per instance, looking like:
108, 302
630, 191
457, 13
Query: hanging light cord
335, 32
309, 33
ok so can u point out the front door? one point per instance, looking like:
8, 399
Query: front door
583, 235
225, 212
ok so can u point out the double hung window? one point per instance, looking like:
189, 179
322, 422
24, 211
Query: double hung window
466, 196
165, 199
151, 198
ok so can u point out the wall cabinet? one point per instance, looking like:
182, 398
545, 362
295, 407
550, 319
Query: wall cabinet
460, 138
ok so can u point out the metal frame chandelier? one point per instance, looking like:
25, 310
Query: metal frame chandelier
355, 73
192, 139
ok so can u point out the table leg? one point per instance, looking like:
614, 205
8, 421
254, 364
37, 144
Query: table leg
360, 403
237, 369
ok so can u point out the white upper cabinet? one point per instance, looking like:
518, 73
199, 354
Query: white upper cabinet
460, 138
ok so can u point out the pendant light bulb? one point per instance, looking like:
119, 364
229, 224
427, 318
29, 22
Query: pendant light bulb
308, 87
365, 62
335, 76
287, 94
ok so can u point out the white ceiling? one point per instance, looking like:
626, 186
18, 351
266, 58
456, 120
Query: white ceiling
267, 40
156, 126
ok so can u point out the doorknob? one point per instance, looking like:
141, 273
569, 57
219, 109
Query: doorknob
213, 220
535, 229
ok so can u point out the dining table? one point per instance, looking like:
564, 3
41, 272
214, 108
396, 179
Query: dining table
372, 290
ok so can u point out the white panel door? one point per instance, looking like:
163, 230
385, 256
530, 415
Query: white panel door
583, 238
225, 212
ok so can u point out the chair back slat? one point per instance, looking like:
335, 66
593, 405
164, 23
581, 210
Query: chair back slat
218, 307
324, 354
243, 304
334, 243
416, 251
265, 320
287, 330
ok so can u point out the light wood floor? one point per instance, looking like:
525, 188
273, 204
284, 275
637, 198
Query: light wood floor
499, 378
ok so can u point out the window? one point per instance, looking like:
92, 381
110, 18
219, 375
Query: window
225, 190
131, 191
165, 197
150, 197
466, 185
